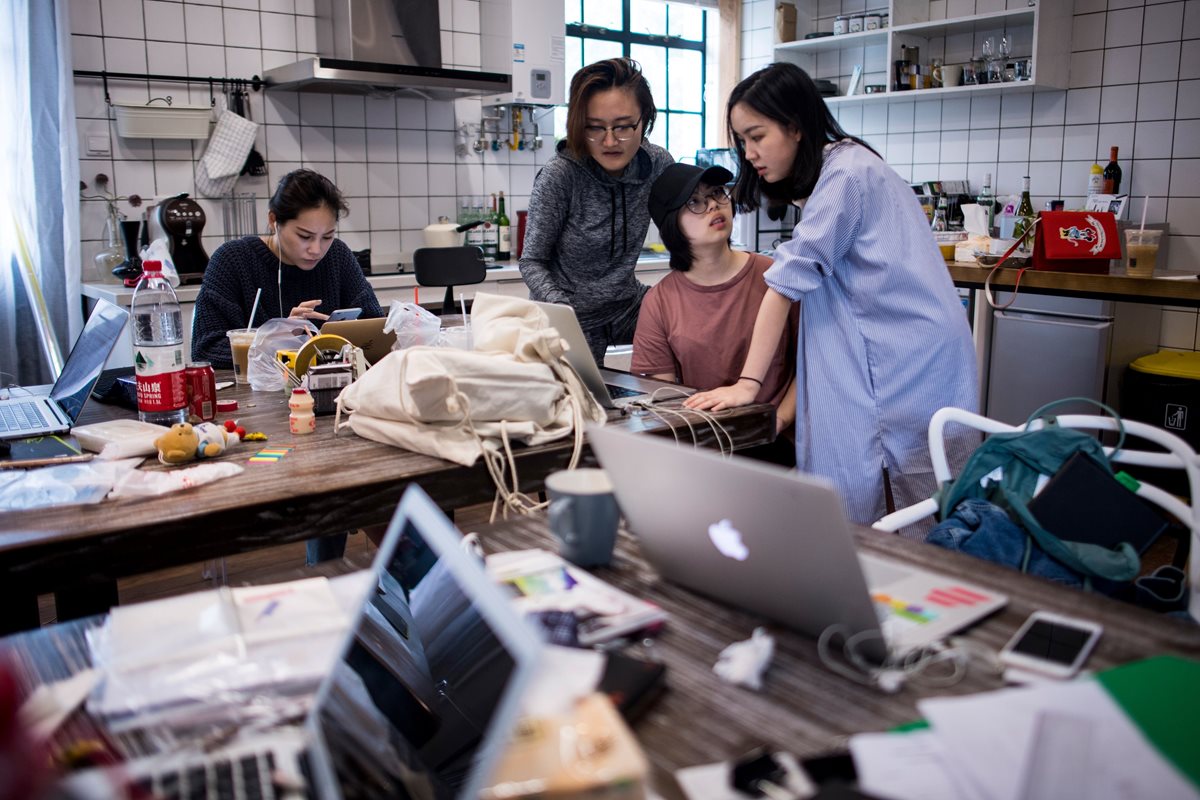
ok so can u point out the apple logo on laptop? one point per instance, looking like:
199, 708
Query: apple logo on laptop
728, 540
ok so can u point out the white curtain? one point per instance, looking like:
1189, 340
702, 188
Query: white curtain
40, 312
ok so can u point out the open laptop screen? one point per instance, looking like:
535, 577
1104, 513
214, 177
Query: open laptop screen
87, 358
429, 669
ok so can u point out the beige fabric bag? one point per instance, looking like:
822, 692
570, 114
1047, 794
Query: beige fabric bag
462, 404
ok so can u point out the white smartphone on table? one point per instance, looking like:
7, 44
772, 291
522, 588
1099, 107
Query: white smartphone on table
344, 314
1051, 644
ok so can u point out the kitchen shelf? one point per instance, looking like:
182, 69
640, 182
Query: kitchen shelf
968, 24
829, 44
945, 93
1042, 29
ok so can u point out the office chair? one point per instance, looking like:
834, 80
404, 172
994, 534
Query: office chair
449, 267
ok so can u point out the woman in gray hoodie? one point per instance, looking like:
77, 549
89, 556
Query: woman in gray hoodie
588, 212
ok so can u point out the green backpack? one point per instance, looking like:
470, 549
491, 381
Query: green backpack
1021, 457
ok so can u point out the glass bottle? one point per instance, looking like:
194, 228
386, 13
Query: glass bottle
1024, 216
491, 234
940, 220
158, 360
1095, 180
987, 199
505, 229
475, 235
1112, 174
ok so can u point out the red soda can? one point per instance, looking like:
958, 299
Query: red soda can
201, 390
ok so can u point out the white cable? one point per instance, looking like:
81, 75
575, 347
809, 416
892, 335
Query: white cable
915, 665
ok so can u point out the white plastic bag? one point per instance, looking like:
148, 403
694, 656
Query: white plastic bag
158, 251
264, 370
414, 326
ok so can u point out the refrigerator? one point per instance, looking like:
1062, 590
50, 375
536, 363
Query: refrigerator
1044, 348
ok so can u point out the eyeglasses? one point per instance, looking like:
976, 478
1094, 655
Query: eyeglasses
699, 205
622, 133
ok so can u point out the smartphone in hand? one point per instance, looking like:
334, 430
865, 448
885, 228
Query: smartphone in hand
1051, 644
344, 314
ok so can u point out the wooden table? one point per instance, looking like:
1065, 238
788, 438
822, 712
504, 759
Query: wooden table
326, 485
1075, 284
803, 708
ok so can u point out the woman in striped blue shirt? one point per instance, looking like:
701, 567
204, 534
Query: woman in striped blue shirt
883, 341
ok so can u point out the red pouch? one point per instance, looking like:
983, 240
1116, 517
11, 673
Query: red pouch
1076, 241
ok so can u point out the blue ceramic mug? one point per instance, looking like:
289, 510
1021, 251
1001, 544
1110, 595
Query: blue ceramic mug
583, 515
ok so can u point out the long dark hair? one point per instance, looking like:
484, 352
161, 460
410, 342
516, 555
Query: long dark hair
612, 73
302, 189
784, 92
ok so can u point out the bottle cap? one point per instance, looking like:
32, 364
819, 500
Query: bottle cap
151, 266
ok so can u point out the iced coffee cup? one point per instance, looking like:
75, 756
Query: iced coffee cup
240, 340
1141, 252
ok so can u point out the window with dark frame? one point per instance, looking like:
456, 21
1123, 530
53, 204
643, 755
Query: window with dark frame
668, 40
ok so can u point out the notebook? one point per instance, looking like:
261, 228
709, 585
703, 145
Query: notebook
367, 334
776, 542
611, 389
420, 701
43, 415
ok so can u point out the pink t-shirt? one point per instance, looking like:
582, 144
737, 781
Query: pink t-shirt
702, 334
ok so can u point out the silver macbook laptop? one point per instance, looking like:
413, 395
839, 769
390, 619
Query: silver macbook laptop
420, 701
610, 388
775, 542
43, 415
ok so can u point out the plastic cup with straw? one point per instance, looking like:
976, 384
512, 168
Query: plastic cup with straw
240, 340
1141, 247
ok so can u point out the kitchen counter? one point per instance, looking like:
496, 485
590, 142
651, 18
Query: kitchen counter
1158, 289
502, 278
502, 272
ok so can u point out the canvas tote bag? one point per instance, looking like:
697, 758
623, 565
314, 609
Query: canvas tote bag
461, 405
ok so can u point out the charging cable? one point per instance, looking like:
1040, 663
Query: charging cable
939, 665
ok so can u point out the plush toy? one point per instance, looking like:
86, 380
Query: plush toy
178, 445
213, 439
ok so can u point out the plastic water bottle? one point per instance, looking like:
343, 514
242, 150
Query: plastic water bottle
158, 358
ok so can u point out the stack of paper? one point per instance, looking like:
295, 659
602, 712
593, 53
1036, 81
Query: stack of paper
1125, 733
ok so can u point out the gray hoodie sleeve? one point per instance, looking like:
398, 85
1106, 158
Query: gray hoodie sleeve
549, 206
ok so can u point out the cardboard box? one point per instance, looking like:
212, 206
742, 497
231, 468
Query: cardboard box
785, 22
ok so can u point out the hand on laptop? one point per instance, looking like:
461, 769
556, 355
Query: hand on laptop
739, 394
307, 310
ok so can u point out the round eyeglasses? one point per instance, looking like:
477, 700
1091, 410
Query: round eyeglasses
622, 133
699, 205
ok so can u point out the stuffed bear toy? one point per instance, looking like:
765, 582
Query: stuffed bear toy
213, 439
178, 445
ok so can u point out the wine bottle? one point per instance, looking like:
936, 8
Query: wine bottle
1095, 180
1112, 174
987, 199
505, 230
1024, 216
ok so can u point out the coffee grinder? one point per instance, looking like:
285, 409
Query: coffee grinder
182, 220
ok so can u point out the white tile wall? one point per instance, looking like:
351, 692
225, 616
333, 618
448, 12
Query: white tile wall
392, 157
1134, 83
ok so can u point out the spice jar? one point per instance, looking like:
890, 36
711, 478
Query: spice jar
301, 419
856, 24
840, 24
871, 22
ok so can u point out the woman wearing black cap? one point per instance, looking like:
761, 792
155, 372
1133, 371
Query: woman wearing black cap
695, 326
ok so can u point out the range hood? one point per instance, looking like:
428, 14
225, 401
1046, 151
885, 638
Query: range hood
381, 46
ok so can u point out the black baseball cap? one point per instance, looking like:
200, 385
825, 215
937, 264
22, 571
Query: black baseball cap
676, 184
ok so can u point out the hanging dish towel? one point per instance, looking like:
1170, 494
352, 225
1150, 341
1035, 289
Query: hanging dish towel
227, 150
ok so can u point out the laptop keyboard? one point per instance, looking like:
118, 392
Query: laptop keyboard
20, 417
616, 392
248, 777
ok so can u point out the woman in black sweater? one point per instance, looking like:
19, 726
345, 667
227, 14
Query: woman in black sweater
303, 270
